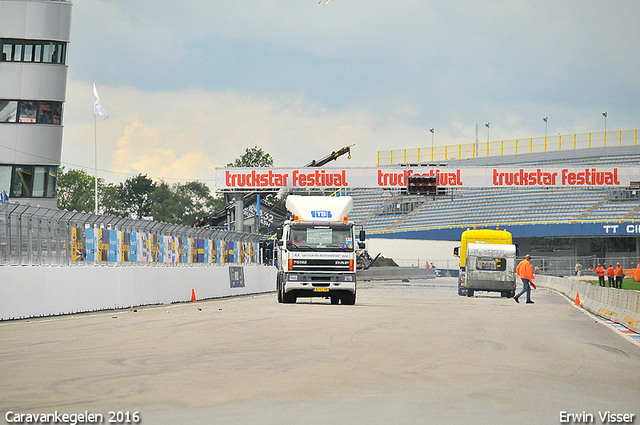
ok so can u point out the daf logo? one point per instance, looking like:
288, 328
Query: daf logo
342, 262
299, 261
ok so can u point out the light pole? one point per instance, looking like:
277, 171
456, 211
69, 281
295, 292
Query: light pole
545, 119
604, 136
487, 125
432, 133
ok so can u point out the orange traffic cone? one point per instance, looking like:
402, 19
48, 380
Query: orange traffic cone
577, 299
193, 295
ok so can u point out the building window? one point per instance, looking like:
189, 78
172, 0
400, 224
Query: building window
22, 181
29, 181
44, 51
8, 110
5, 178
30, 112
51, 177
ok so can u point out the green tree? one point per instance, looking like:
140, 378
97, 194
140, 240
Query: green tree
253, 157
166, 206
197, 200
75, 192
182, 203
135, 196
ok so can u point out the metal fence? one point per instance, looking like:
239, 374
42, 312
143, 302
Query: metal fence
36, 236
566, 266
547, 265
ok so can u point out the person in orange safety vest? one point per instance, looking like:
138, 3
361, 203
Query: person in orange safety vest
525, 271
610, 273
619, 275
600, 272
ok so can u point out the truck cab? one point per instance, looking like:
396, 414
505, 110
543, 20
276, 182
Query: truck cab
317, 250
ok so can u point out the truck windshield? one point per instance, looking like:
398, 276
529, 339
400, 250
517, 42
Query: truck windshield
325, 237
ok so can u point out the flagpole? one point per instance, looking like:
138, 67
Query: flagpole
95, 152
97, 110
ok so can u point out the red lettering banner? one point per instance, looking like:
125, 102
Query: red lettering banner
278, 178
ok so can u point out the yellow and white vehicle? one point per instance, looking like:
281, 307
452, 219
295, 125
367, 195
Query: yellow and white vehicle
487, 262
316, 253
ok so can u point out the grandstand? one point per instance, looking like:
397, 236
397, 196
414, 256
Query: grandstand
388, 213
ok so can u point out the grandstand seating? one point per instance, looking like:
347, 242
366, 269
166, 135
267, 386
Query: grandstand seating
491, 206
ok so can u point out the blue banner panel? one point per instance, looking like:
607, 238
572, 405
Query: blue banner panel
133, 247
576, 229
90, 244
113, 246
200, 250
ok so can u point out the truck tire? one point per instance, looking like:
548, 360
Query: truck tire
349, 298
469, 292
335, 300
462, 292
288, 297
279, 288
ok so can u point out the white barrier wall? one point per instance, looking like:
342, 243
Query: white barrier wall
620, 306
45, 291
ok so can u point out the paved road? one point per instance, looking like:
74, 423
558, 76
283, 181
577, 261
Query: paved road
404, 354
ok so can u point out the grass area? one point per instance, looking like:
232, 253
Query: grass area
627, 283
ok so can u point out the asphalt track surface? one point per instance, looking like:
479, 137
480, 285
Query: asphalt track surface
406, 353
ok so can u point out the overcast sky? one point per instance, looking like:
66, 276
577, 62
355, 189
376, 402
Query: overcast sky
190, 85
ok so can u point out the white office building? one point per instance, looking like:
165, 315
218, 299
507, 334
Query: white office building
34, 41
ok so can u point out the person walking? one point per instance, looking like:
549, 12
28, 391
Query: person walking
525, 271
600, 272
619, 275
610, 274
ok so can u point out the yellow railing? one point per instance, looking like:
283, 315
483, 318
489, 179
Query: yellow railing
509, 147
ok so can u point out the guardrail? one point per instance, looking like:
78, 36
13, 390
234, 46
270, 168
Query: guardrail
394, 273
509, 147
620, 306
35, 236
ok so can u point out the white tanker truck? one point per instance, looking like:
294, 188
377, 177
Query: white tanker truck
316, 252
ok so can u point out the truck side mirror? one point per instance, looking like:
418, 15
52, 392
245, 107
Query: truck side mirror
279, 233
361, 245
517, 251
456, 251
362, 235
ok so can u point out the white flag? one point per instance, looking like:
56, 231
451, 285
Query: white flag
97, 106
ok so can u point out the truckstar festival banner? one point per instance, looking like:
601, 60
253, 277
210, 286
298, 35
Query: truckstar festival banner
277, 178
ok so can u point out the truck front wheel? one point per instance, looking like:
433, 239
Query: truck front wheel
288, 297
349, 298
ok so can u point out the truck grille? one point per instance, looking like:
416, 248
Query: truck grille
313, 265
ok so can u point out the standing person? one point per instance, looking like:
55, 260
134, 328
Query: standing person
577, 267
610, 273
619, 274
525, 271
600, 272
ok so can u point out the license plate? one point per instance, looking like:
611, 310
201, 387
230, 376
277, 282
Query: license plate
320, 289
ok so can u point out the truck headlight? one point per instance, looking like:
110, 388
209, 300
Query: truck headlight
293, 277
348, 278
